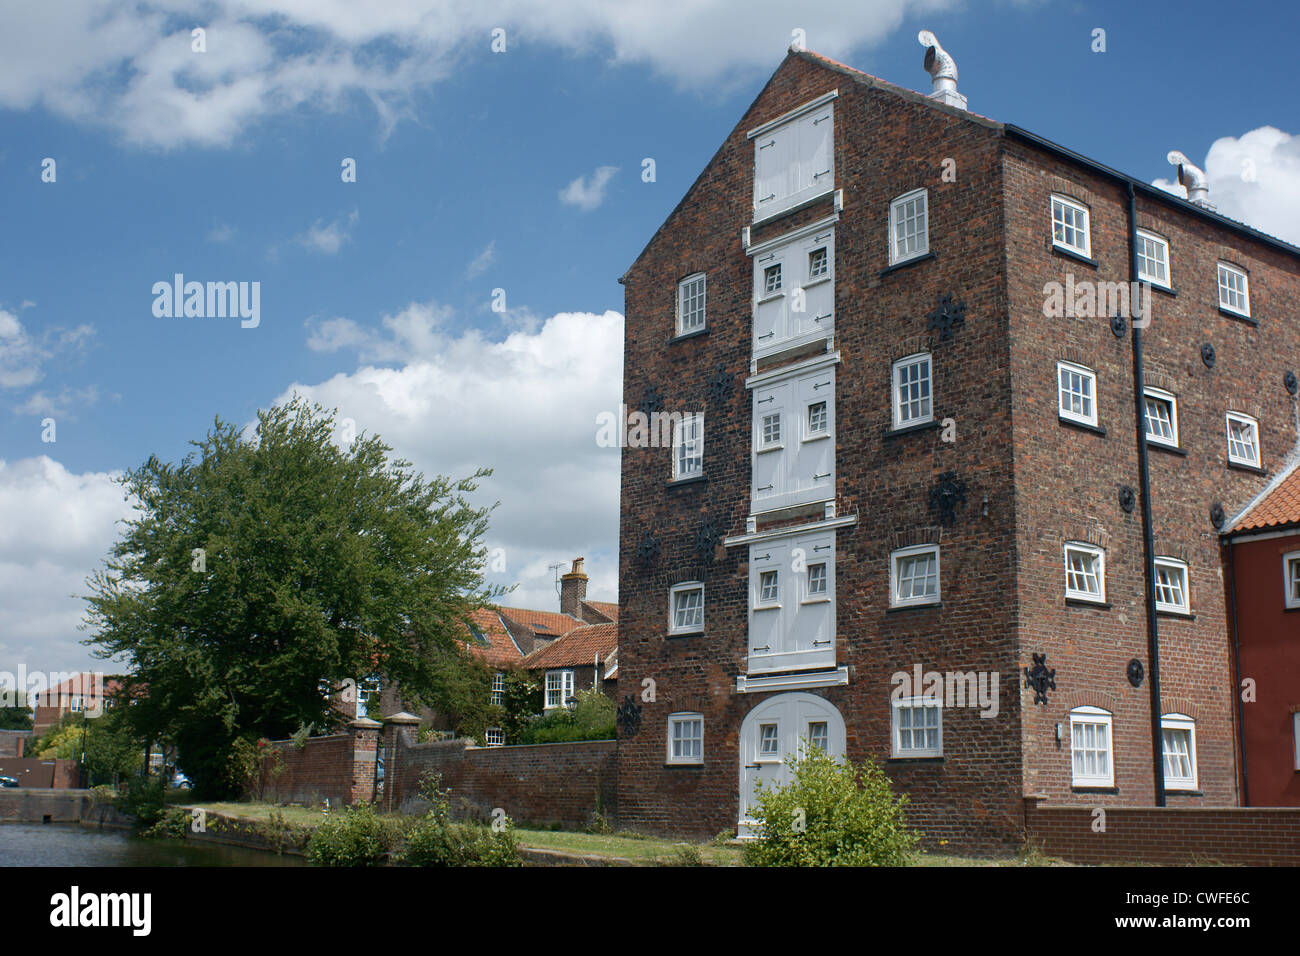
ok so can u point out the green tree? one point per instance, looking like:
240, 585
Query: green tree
264, 564
108, 744
16, 715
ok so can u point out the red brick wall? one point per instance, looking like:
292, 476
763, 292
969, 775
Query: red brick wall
1172, 835
339, 768
35, 772
1269, 636
540, 784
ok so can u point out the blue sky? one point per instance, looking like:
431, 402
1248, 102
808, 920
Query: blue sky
476, 171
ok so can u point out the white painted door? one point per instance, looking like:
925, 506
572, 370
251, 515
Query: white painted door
775, 730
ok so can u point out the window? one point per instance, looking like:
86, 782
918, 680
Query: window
690, 304
1090, 747
768, 741
793, 160
559, 688
1291, 578
912, 387
792, 462
918, 727
494, 737
914, 575
686, 738
1153, 258
1077, 390
1162, 417
816, 580
686, 608
1171, 586
367, 694
1085, 572
818, 422
772, 279
819, 735
1233, 291
1243, 440
498, 689
688, 447
908, 228
792, 603
1070, 226
1178, 732
819, 263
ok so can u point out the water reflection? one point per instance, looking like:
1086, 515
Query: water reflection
26, 844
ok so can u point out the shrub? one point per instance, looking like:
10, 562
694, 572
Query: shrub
255, 766
433, 842
686, 854
831, 814
593, 718
357, 837
173, 824
142, 798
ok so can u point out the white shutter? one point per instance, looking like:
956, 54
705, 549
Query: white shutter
818, 315
814, 157
810, 635
766, 630
811, 460
774, 172
770, 318
770, 471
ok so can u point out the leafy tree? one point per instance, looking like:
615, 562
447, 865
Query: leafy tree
17, 715
521, 701
266, 563
108, 743
592, 718
831, 814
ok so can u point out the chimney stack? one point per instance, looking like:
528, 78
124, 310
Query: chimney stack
573, 589
943, 71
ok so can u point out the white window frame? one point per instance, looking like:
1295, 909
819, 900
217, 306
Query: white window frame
1228, 268
494, 737
811, 434
903, 364
923, 705
685, 717
675, 590
923, 235
498, 692
1095, 716
774, 601
1159, 243
684, 293
682, 444
811, 596
1179, 722
1100, 555
895, 559
1086, 374
1161, 395
1086, 249
1173, 564
1290, 560
566, 688
1251, 423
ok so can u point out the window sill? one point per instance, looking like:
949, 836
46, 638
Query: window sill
1242, 466
1167, 290
1238, 316
1082, 426
1077, 256
822, 437
682, 482
767, 216
1180, 792
698, 632
909, 429
767, 448
924, 257
905, 759
818, 280
683, 336
1171, 449
894, 609
820, 600
684, 766
1084, 602
1089, 788
1185, 615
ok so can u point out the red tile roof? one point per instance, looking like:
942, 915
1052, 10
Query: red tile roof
547, 624
580, 646
85, 684
500, 647
603, 608
1277, 507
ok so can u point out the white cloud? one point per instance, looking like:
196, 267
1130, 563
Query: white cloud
23, 355
483, 261
130, 67
1254, 178
62, 405
58, 527
221, 232
525, 406
328, 238
586, 193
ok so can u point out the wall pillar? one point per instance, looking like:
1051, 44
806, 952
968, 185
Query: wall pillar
365, 752
399, 729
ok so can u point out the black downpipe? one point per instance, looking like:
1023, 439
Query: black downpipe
1148, 542
1243, 779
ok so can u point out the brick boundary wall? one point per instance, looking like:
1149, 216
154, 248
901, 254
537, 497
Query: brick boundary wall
536, 784
1237, 836
57, 773
339, 768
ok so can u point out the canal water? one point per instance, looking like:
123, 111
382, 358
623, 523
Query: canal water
29, 844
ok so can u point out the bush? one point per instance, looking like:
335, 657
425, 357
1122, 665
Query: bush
142, 798
173, 824
831, 814
433, 842
592, 718
357, 837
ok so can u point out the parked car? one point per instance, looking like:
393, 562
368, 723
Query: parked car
8, 782
180, 781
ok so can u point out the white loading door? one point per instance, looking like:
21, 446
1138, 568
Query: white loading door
775, 730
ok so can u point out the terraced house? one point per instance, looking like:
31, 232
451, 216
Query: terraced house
945, 488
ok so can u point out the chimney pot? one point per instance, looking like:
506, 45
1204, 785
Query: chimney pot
573, 589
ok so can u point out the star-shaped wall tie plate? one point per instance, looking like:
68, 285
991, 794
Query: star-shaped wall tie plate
948, 316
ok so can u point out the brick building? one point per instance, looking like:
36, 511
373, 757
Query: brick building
898, 436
